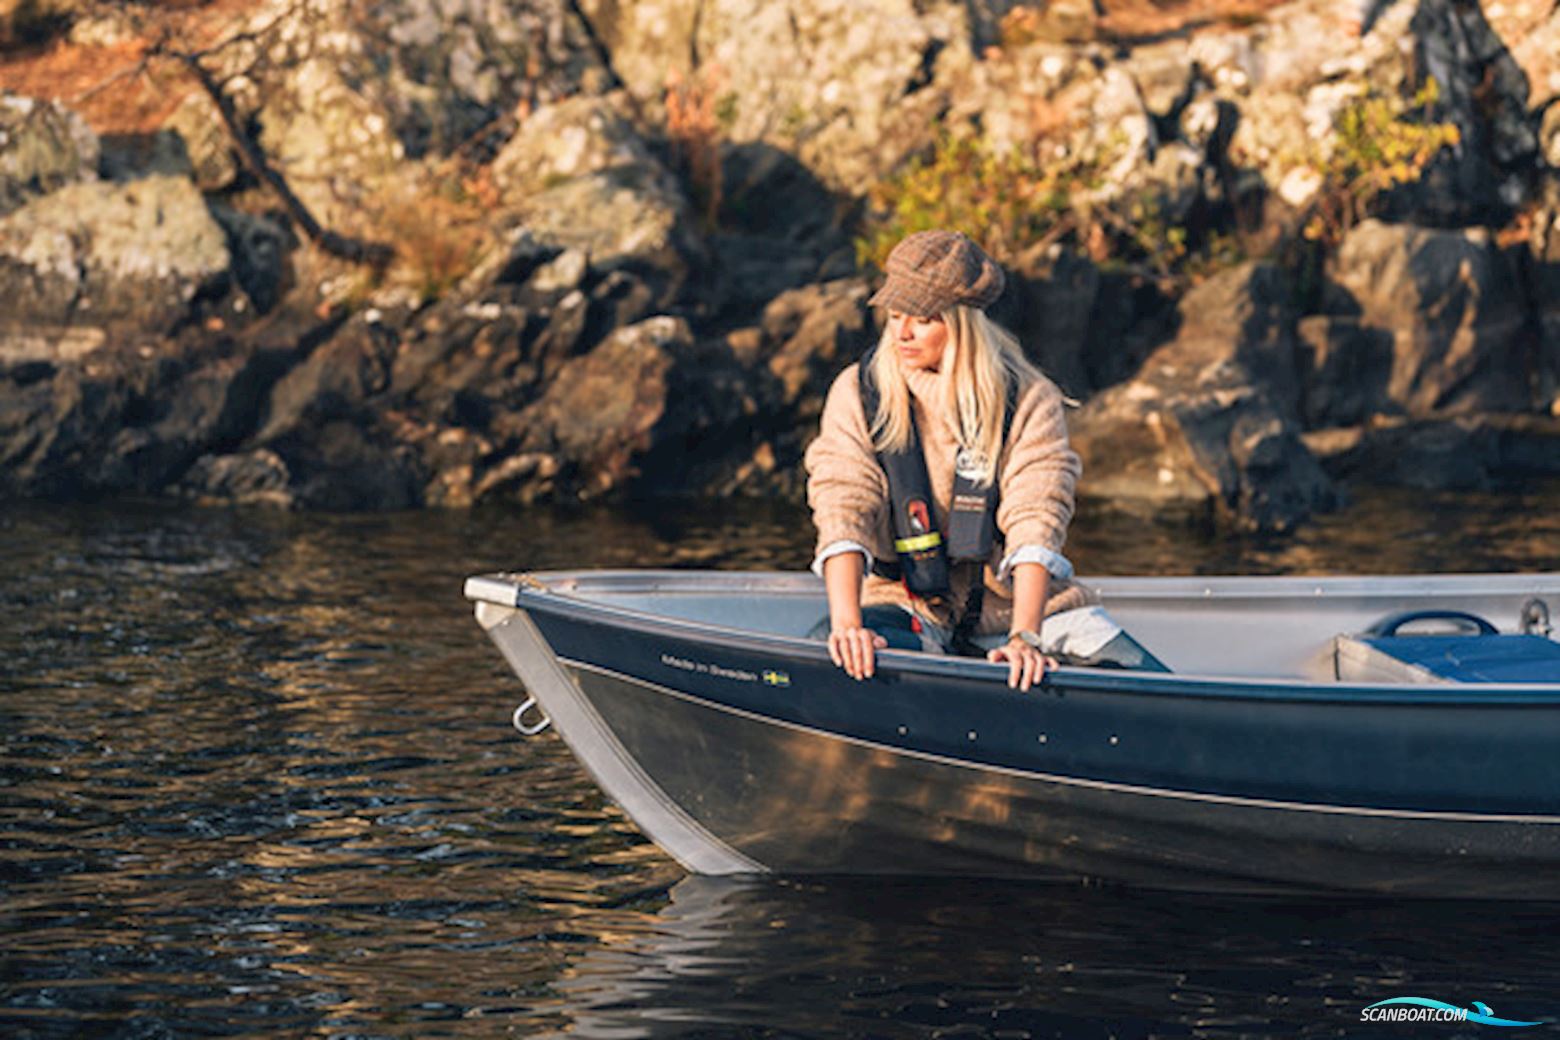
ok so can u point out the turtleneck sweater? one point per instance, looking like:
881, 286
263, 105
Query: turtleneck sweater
1037, 475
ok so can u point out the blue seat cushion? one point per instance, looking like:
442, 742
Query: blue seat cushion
1476, 658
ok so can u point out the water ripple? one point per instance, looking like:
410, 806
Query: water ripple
258, 780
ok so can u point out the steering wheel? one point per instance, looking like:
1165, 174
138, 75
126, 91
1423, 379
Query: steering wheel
1465, 623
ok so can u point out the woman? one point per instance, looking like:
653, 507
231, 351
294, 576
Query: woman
941, 484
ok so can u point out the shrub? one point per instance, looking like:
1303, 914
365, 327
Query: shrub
1379, 142
1000, 199
1015, 207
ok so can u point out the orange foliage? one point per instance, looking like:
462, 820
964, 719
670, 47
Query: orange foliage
1128, 20
1137, 19
693, 125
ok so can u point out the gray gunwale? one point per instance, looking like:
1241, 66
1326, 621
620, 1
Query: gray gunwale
563, 593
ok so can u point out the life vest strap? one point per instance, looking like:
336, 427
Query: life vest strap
925, 555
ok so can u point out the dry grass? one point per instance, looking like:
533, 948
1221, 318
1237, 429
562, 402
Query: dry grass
693, 125
1128, 20
436, 220
103, 83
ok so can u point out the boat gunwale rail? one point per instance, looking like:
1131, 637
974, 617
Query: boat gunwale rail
549, 593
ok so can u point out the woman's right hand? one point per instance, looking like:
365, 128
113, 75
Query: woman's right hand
854, 649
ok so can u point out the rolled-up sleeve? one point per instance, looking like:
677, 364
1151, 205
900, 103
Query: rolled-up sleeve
846, 488
839, 549
1059, 566
1039, 478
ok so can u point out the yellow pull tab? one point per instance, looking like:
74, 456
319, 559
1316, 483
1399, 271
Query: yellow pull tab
920, 543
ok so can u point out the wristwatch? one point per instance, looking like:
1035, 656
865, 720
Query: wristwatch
1027, 636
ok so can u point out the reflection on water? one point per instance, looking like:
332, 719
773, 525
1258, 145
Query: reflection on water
259, 780
926, 958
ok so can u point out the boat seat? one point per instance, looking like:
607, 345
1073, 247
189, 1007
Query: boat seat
1475, 652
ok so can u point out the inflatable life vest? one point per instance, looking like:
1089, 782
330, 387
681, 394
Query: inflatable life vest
924, 554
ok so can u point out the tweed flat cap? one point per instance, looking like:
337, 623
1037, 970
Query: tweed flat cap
931, 271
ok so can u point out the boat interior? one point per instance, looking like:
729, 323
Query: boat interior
1314, 629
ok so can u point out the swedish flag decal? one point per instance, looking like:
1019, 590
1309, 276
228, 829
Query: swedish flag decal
774, 678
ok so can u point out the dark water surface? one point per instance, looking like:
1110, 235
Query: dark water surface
258, 779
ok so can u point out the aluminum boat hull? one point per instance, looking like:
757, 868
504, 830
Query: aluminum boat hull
740, 751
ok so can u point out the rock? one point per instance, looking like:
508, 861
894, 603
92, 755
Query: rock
459, 364
581, 179
1119, 136
527, 476
214, 403
123, 420
1208, 422
1300, 72
1531, 28
1465, 453
573, 138
767, 193
129, 157
43, 146
346, 466
779, 229
33, 21
1205, 440
344, 93
1451, 302
332, 140
1544, 290
1346, 370
850, 87
1025, 97
1060, 21
754, 270
563, 274
603, 409
1131, 317
512, 262
1056, 306
1484, 92
456, 65
648, 42
249, 478
649, 410
213, 164
1246, 314
137, 254
810, 335
335, 383
23, 348
259, 247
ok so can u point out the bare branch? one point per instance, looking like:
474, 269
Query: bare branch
336, 244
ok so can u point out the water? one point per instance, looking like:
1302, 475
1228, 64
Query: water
259, 780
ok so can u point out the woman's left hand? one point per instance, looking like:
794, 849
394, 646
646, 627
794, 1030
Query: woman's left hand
1025, 664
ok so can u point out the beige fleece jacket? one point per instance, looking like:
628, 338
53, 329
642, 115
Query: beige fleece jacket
1037, 475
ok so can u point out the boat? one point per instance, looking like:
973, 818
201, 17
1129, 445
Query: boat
1282, 751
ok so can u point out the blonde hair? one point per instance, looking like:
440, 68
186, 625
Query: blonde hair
986, 362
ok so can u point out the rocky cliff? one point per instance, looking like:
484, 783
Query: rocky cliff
1270, 248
